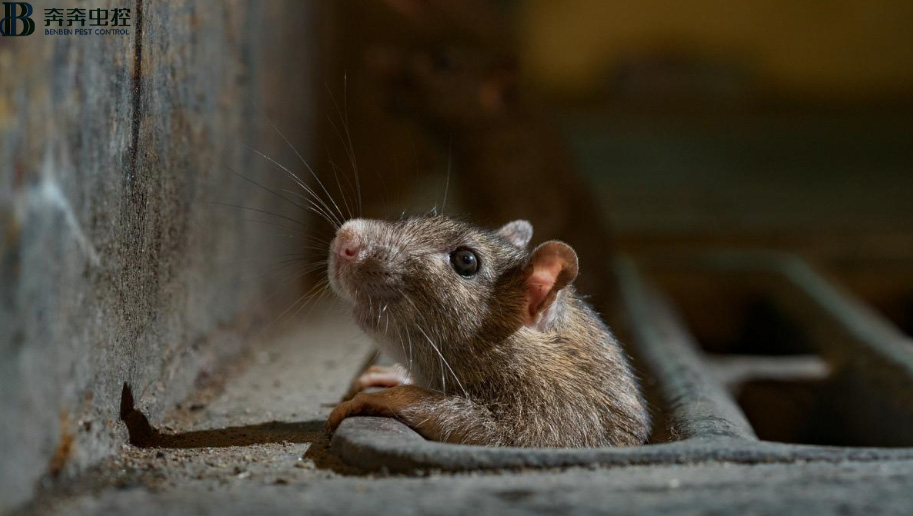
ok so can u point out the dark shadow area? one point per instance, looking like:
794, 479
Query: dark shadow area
892, 297
842, 410
898, 309
745, 320
263, 433
661, 428
883, 282
764, 330
733, 316
144, 435
906, 320
779, 410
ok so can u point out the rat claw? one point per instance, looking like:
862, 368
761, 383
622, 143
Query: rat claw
342, 411
378, 376
381, 403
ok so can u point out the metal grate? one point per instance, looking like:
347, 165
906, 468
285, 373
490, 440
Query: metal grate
810, 373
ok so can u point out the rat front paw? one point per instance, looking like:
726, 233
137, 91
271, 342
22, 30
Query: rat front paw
379, 376
342, 411
362, 404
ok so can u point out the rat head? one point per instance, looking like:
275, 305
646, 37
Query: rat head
439, 279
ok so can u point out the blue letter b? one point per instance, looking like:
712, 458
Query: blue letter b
8, 24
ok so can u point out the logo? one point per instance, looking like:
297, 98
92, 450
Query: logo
8, 24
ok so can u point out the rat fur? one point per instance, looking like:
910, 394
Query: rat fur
509, 356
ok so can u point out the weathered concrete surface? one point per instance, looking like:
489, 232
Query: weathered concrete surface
259, 420
115, 267
822, 489
257, 446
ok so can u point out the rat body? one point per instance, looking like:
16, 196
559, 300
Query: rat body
494, 346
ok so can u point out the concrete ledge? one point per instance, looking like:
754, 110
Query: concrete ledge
384, 444
711, 426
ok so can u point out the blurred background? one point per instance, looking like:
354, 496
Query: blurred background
762, 123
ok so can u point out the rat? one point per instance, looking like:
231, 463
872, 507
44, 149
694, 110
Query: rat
461, 84
493, 345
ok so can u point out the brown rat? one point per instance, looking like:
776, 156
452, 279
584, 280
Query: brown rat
461, 84
498, 347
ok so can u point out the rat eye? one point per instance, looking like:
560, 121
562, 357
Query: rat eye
465, 262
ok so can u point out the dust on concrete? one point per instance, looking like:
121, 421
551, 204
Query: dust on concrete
258, 421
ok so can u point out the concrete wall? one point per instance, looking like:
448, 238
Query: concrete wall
116, 265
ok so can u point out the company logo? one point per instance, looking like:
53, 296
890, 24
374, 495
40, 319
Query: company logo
17, 21
11, 19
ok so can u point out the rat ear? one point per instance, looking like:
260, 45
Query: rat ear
518, 232
551, 267
499, 87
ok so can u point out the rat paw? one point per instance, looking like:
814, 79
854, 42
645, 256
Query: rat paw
362, 404
379, 376
342, 411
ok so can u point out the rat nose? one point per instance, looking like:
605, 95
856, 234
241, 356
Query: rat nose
348, 246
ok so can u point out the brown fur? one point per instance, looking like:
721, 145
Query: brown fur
481, 375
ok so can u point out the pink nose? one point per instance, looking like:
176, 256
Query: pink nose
348, 246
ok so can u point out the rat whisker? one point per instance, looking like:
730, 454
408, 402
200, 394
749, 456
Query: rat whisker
274, 270
258, 210
294, 276
351, 156
291, 255
342, 192
409, 339
310, 266
304, 297
322, 247
315, 299
300, 157
271, 223
316, 209
321, 242
350, 147
301, 298
440, 355
312, 206
281, 263
297, 180
266, 188
279, 166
